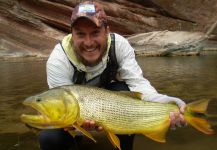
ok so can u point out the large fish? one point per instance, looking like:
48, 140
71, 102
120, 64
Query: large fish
116, 112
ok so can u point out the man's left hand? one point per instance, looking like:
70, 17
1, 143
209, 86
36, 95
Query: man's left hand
177, 118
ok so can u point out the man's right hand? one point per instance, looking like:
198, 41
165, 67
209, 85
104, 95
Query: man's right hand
87, 125
91, 125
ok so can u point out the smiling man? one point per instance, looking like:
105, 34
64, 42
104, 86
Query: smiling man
90, 41
92, 55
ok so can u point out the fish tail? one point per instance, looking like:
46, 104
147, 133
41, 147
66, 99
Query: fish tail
195, 116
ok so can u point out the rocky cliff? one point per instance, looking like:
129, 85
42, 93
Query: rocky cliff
33, 27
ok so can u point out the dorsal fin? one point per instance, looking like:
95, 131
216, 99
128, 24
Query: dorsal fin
136, 95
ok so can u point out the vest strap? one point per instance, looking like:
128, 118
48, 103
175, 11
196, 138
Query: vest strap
110, 72
107, 75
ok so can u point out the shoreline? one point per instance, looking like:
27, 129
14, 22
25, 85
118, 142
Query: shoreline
205, 51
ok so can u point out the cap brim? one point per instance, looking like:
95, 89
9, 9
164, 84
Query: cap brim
84, 17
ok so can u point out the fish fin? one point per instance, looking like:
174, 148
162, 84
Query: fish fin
198, 106
200, 124
114, 139
86, 133
136, 95
194, 116
159, 134
72, 133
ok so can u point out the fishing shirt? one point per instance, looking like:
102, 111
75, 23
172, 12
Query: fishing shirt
60, 71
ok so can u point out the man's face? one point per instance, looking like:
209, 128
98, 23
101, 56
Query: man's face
90, 41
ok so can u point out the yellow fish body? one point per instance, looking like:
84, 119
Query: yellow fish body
116, 112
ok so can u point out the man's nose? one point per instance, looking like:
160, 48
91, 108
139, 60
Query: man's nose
88, 41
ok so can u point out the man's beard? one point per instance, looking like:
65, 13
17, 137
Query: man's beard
87, 63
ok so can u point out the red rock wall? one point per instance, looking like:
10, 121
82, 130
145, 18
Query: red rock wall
33, 27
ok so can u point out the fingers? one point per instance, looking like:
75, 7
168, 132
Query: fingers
173, 120
182, 109
69, 128
99, 128
91, 125
88, 125
177, 120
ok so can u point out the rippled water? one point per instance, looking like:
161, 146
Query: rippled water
190, 78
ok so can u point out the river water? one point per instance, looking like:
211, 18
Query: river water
189, 78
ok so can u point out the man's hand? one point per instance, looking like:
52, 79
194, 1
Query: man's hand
87, 125
177, 119
91, 125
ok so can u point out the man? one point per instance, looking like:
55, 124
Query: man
91, 55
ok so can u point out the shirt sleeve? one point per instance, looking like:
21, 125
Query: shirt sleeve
58, 67
130, 71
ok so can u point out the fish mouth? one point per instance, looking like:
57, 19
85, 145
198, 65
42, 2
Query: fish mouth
36, 117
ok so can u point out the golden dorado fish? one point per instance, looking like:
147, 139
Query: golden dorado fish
116, 112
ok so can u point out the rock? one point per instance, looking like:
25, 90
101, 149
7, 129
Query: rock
162, 43
32, 28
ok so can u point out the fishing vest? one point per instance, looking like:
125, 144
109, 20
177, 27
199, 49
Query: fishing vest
108, 75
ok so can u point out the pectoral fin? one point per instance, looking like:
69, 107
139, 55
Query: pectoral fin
114, 140
159, 133
86, 133
72, 133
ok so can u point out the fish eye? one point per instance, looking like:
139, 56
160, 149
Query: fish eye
38, 99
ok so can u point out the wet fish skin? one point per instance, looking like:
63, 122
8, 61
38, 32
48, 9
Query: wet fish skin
116, 112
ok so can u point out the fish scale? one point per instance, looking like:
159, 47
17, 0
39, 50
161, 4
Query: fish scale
118, 112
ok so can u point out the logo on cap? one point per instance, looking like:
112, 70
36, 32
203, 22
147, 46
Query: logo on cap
86, 8
90, 10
